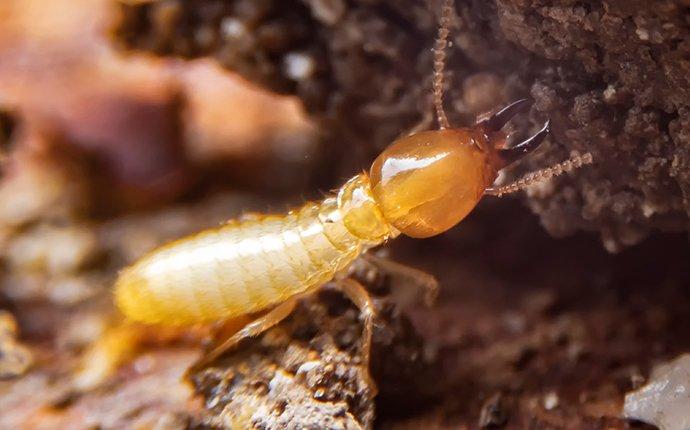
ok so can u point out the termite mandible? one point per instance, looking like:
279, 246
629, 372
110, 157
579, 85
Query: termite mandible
421, 185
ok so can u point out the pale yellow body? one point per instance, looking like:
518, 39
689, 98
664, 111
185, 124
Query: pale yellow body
248, 266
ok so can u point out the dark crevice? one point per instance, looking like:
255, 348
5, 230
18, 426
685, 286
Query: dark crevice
8, 125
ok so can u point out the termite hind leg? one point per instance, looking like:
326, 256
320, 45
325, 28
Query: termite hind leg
100, 361
418, 278
253, 329
362, 299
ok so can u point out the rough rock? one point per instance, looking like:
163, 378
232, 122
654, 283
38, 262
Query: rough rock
307, 371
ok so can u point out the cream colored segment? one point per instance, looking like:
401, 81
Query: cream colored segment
321, 251
172, 284
196, 277
232, 279
183, 278
191, 280
209, 284
133, 298
331, 221
336, 233
159, 292
361, 213
281, 251
334, 229
127, 295
266, 262
256, 273
303, 220
283, 280
296, 253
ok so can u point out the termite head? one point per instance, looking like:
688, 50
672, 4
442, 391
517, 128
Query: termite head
427, 182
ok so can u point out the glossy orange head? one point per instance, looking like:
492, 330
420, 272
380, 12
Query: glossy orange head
428, 182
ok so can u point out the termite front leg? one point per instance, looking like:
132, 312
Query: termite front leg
362, 299
253, 329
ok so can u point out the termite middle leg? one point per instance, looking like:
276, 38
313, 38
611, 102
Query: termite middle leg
361, 298
418, 277
253, 329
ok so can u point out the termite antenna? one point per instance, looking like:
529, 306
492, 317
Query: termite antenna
440, 62
574, 162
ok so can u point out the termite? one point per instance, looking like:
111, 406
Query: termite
421, 185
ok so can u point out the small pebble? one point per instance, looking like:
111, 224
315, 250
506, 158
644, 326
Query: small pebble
551, 401
299, 66
665, 400
493, 413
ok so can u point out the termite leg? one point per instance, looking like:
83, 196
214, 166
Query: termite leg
100, 361
121, 341
253, 329
361, 298
418, 277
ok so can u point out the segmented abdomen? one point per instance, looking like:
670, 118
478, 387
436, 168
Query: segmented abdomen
238, 268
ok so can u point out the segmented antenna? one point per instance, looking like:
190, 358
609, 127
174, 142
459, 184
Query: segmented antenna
574, 162
440, 62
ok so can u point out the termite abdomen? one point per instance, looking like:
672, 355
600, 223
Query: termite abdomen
244, 267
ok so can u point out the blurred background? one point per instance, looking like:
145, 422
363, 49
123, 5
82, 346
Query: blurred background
124, 124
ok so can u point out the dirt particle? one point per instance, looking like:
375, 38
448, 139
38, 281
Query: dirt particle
551, 401
494, 412
15, 358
